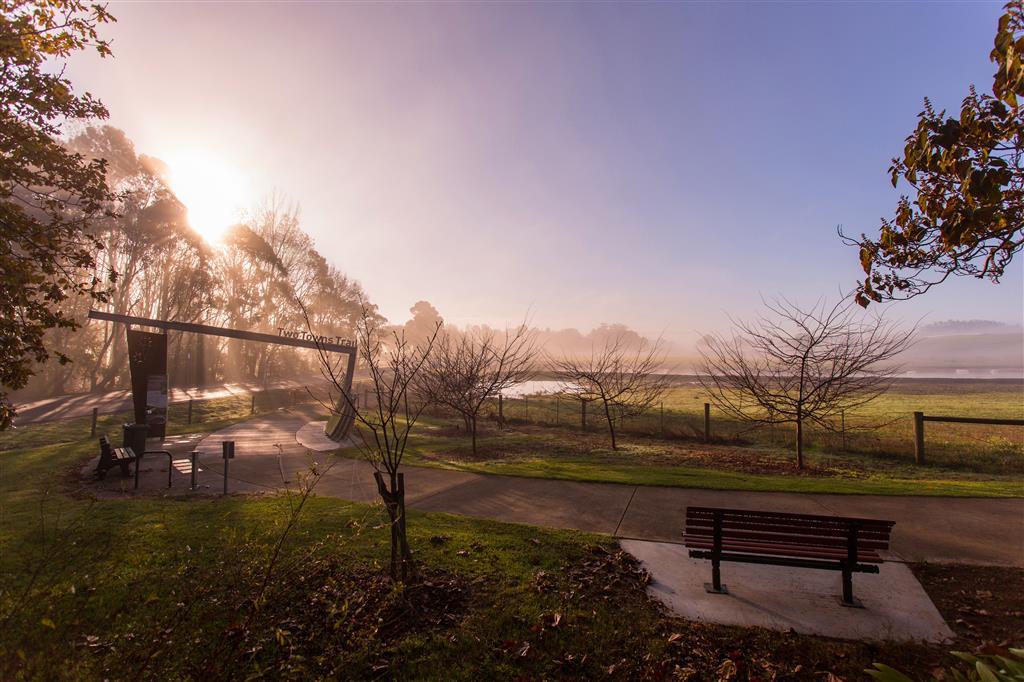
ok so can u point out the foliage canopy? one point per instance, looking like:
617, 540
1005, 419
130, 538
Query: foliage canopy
966, 217
48, 194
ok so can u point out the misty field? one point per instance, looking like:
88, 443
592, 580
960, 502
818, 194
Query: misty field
666, 446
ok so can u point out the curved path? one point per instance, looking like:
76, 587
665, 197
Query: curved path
967, 530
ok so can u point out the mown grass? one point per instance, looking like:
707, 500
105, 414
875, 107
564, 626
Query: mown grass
666, 447
882, 428
191, 589
540, 452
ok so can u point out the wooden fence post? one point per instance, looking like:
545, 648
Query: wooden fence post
661, 427
190, 410
92, 430
501, 413
842, 418
707, 422
583, 414
919, 437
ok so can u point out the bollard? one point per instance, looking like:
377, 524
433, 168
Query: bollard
919, 437
92, 430
190, 410
228, 452
707, 422
195, 457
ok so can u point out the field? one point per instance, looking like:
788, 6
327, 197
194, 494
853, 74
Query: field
226, 588
666, 446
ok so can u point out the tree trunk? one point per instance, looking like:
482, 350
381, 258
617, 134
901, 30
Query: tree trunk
799, 441
394, 502
611, 424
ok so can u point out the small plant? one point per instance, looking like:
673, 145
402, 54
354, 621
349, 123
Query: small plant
985, 668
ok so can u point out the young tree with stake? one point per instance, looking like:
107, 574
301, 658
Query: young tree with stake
384, 423
624, 381
796, 365
466, 370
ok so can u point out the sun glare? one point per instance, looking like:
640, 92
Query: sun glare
213, 192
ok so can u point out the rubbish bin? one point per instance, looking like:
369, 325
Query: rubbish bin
135, 438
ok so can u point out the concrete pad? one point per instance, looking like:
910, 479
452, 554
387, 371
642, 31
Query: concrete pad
896, 607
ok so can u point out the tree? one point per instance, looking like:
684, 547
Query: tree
966, 172
383, 424
424, 322
625, 381
794, 366
48, 195
465, 370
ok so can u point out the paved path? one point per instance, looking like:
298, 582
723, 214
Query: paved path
112, 402
973, 530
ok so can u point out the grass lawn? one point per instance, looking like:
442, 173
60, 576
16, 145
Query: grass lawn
543, 439
195, 588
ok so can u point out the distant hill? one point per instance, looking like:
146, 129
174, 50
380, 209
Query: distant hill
948, 327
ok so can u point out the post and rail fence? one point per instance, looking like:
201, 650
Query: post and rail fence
920, 418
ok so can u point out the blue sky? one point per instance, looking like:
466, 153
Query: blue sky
662, 165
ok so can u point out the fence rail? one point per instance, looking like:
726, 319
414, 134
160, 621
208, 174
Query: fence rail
920, 418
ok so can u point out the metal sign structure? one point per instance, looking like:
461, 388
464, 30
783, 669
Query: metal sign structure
340, 423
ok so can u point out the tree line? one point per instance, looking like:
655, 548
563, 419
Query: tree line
166, 270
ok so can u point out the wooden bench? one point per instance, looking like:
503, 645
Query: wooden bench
111, 457
835, 543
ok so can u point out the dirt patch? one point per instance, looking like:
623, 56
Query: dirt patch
984, 605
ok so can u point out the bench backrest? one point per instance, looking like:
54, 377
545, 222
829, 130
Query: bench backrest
758, 528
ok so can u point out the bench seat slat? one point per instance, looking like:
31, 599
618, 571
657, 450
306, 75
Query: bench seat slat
784, 550
814, 518
767, 535
795, 527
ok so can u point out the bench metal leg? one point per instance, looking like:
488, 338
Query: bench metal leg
716, 586
848, 598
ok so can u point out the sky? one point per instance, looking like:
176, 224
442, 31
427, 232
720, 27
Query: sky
660, 165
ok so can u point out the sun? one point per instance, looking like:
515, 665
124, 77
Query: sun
212, 190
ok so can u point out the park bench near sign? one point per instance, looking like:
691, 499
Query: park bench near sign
111, 457
122, 457
849, 545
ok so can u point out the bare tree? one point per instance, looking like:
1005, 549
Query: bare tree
465, 370
626, 381
795, 365
383, 424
